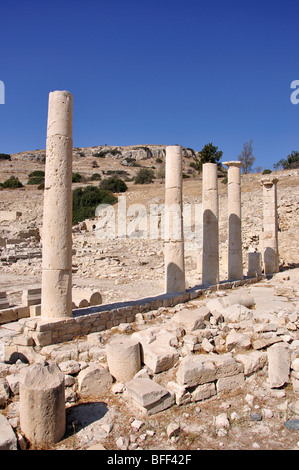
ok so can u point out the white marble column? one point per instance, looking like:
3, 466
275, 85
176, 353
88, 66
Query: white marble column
57, 216
174, 237
270, 226
235, 262
210, 250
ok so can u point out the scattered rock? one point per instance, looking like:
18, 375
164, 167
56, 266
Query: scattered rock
8, 439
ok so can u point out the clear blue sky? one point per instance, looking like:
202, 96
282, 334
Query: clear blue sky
185, 72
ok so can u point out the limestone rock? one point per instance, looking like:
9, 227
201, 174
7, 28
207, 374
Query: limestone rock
252, 361
278, 365
148, 396
94, 381
237, 313
237, 341
196, 370
8, 439
4, 392
192, 319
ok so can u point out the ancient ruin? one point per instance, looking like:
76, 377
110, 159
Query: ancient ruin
57, 216
270, 226
235, 262
208, 361
174, 236
210, 249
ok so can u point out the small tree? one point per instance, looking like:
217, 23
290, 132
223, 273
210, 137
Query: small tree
209, 154
292, 161
114, 184
5, 156
144, 176
246, 157
86, 200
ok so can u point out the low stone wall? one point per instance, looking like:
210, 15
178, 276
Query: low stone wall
37, 331
10, 314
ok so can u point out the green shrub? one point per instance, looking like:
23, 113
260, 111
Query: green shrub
114, 184
267, 172
96, 177
76, 178
12, 183
36, 180
86, 200
37, 173
5, 156
144, 176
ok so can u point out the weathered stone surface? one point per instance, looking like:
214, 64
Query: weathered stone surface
237, 341
145, 391
42, 403
203, 392
13, 382
278, 365
94, 381
71, 367
148, 396
8, 439
237, 313
4, 392
228, 384
225, 364
156, 350
124, 358
181, 394
192, 319
253, 361
195, 371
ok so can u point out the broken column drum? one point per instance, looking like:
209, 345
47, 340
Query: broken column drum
174, 237
235, 263
270, 226
42, 403
210, 249
57, 216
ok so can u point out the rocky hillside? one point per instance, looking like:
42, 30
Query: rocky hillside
98, 159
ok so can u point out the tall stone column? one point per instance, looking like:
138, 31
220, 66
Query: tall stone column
270, 226
57, 216
174, 236
210, 249
235, 263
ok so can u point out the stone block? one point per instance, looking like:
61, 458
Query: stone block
148, 396
279, 362
203, 392
156, 350
192, 319
8, 439
196, 370
238, 341
94, 381
252, 362
228, 384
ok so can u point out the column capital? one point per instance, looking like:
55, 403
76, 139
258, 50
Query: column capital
268, 181
233, 163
